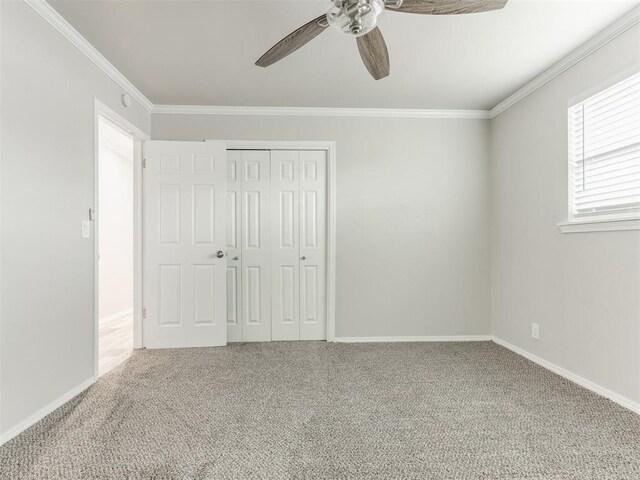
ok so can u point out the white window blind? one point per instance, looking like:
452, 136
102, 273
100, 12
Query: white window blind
604, 152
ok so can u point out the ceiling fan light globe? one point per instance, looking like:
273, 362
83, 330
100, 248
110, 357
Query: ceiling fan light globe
355, 17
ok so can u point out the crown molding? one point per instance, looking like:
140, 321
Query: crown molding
605, 36
319, 112
47, 12
56, 20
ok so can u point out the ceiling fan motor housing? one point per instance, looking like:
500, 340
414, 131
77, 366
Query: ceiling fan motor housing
356, 17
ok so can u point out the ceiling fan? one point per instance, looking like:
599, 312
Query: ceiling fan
358, 18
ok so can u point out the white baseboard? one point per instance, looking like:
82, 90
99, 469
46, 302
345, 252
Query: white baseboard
43, 412
115, 316
432, 338
583, 382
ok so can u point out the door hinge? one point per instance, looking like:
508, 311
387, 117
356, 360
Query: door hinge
144, 163
144, 313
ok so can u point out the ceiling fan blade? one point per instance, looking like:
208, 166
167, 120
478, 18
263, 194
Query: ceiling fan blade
374, 54
293, 41
448, 7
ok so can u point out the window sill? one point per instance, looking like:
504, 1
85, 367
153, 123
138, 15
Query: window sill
600, 225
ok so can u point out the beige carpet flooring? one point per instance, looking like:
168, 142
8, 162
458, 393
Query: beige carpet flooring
315, 410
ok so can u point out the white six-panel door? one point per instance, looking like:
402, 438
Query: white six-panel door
248, 244
290, 207
313, 243
285, 245
184, 289
256, 180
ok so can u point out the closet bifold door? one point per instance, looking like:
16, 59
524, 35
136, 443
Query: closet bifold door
285, 245
313, 244
234, 246
276, 245
255, 252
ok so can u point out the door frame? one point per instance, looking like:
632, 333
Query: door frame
102, 111
330, 148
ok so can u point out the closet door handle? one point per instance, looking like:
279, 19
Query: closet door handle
236, 258
303, 258
219, 254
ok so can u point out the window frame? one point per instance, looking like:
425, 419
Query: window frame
595, 222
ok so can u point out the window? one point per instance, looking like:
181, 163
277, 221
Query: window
604, 154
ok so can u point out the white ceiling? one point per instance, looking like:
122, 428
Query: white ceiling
203, 52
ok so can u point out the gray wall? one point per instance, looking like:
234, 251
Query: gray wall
583, 288
48, 90
412, 222
412, 216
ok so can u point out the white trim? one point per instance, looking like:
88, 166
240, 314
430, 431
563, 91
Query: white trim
319, 112
330, 148
331, 241
603, 85
100, 109
117, 315
137, 239
66, 29
44, 411
47, 12
600, 225
612, 31
583, 382
431, 338
277, 144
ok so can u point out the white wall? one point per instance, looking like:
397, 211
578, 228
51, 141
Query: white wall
584, 288
412, 215
115, 221
48, 89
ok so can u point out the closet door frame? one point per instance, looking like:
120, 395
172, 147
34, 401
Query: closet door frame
330, 148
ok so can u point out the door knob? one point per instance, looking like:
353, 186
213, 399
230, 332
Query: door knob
219, 254
303, 258
236, 258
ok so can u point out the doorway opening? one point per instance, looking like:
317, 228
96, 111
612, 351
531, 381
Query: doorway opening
115, 236
114, 135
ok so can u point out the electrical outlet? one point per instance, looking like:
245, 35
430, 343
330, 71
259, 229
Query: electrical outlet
535, 331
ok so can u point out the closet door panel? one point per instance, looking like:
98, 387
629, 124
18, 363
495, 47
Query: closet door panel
285, 249
234, 246
255, 242
313, 221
